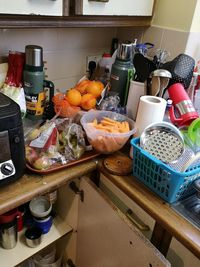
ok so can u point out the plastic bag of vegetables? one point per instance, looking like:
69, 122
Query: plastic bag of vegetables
56, 142
72, 141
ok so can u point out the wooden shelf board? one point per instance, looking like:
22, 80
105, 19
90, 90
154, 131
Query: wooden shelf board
24, 21
12, 257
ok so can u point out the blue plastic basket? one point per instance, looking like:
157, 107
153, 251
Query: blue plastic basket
169, 184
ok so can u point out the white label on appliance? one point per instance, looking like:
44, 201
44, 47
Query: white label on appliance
7, 166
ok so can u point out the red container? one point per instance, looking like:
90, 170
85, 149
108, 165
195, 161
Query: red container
10, 216
182, 111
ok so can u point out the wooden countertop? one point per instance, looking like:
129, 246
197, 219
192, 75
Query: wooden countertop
175, 224
31, 185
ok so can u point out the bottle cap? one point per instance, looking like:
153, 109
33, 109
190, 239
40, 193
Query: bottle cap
169, 102
106, 55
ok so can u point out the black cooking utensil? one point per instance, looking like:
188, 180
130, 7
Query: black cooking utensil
143, 67
181, 68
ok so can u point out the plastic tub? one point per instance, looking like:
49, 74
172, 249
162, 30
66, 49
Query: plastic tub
105, 142
56, 263
40, 207
46, 256
43, 224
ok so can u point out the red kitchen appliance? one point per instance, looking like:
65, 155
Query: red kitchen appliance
182, 111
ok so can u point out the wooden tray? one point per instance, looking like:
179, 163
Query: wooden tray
87, 155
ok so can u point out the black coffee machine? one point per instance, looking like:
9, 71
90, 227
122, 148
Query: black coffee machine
12, 150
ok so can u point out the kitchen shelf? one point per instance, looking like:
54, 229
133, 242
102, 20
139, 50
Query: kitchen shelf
38, 21
22, 252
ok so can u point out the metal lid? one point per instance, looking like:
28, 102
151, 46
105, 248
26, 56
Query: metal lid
125, 52
161, 73
164, 141
34, 55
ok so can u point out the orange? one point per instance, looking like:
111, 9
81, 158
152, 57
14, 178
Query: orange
88, 101
57, 99
95, 88
81, 87
73, 97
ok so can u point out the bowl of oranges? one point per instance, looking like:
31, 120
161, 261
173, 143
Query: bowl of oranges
82, 97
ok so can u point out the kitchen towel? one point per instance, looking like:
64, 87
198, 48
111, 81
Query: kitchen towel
151, 109
136, 90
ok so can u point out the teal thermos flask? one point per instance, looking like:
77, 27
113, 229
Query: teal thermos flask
122, 71
35, 85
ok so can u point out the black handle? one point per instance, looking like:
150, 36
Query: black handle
76, 190
149, 45
50, 86
49, 112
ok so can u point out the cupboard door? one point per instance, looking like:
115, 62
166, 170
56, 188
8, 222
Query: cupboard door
143, 221
28, 7
180, 256
105, 237
115, 7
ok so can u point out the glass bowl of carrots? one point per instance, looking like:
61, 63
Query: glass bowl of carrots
107, 131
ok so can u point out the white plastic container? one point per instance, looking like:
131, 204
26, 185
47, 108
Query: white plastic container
105, 142
106, 62
40, 207
136, 90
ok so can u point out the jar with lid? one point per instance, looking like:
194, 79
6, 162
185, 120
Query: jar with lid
106, 61
104, 69
167, 115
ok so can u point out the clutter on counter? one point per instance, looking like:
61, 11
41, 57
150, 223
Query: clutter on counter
132, 87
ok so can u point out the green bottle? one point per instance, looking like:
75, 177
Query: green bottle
122, 71
34, 83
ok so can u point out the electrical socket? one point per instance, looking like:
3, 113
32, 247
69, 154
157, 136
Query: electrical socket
95, 58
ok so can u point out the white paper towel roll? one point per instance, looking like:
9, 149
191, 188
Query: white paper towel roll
151, 109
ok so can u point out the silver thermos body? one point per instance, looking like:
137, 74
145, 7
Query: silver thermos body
8, 234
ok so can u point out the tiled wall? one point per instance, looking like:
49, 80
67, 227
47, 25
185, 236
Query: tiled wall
175, 42
193, 45
65, 50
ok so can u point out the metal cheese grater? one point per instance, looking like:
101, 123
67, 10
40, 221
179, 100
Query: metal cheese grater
163, 143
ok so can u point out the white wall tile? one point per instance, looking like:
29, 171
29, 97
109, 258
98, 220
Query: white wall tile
129, 34
153, 35
71, 62
193, 45
17, 39
62, 85
174, 41
85, 38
